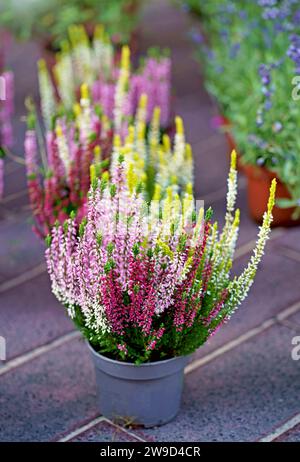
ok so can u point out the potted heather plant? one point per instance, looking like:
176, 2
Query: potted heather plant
90, 142
147, 284
256, 46
113, 82
87, 132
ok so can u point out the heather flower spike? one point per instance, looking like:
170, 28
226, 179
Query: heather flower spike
148, 282
90, 139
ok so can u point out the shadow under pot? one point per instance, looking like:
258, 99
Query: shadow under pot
258, 185
147, 394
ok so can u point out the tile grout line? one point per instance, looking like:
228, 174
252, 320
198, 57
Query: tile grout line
13, 196
93, 423
242, 338
289, 253
202, 361
279, 431
36, 352
124, 430
249, 246
81, 430
24, 277
13, 167
194, 365
41, 267
290, 325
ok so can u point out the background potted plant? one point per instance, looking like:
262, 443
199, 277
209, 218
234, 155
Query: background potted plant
147, 284
49, 21
97, 64
81, 131
90, 142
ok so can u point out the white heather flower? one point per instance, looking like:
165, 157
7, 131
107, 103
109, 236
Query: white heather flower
62, 146
48, 104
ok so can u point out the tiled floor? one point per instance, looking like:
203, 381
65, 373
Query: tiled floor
241, 386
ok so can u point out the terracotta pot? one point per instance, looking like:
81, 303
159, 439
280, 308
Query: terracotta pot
259, 181
225, 125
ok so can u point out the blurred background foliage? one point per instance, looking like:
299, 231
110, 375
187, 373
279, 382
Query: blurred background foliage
50, 20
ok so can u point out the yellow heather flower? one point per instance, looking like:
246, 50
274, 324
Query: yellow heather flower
165, 248
97, 153
99, 32
125, 57
166, 143
143, 101
58, 131
179, 125
189, 189
77, 109
117, 141
157, 192
188, 152
92, 173
131, 178
84, 91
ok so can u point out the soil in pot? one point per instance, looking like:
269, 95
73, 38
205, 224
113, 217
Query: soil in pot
148, 394
258, 182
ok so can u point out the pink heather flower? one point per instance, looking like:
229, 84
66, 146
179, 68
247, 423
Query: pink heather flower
30, 146
218, 307
153, 79
1, 177
156, 336
7, 110
123, 348
55, 192
120, 276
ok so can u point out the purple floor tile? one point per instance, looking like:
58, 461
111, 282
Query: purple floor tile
15, 181
240, 396
30, 316
248, 229
49, 396
211, 166
291, 239
295, 321
15, 203
20, 248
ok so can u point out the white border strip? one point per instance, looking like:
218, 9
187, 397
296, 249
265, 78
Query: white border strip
81, 430
94, 423
289, 425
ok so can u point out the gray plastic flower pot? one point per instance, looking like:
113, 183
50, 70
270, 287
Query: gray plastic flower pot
148, 394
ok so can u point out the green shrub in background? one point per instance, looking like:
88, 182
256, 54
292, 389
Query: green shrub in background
50, 19
251, 56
